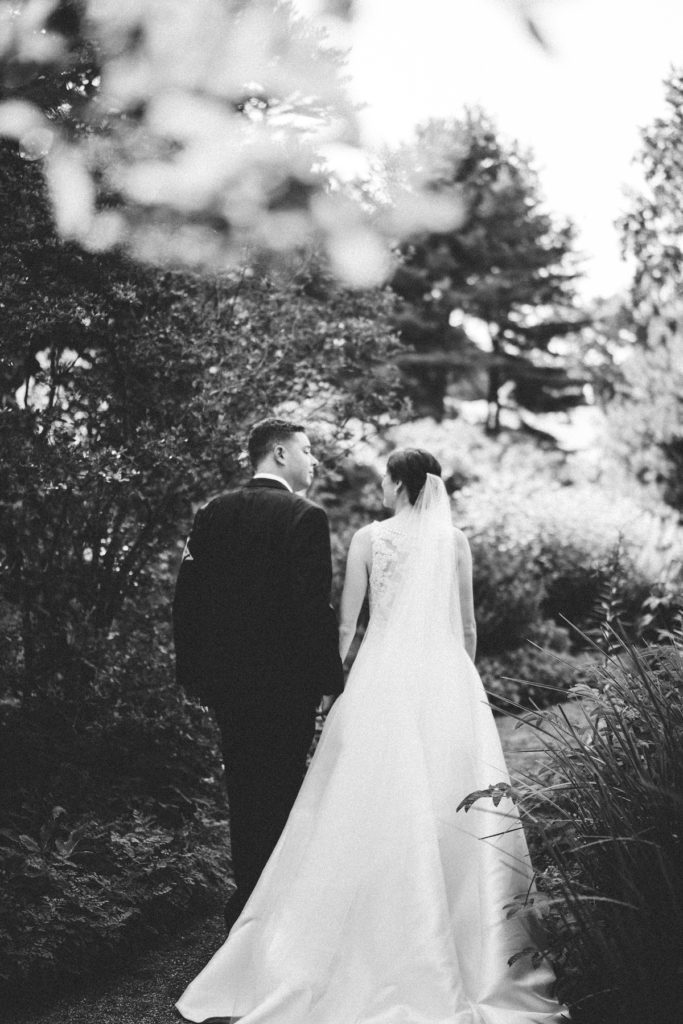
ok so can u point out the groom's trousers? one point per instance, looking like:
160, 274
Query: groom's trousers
264, 753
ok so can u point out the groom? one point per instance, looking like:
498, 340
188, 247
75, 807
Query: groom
256, 638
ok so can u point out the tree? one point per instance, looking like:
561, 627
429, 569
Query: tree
648, 417
126, 394
652, 231
188, 137
507, 267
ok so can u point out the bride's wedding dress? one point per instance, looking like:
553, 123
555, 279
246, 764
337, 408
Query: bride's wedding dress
381, 904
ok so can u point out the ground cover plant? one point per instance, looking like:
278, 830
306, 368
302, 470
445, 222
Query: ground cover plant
113, 822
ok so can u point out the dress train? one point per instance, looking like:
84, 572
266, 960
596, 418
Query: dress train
381, 904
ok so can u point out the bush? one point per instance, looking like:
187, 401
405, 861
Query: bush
114, 819
538, 673
550, 556
508, 590
606, 812
73, 895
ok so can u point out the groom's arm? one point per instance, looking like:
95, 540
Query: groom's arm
317, 638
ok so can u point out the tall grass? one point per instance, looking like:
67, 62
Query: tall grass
605, 815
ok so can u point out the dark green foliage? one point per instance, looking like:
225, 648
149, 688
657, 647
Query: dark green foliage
126, 880
644, 417
113, 817
585, 587
539, 672
125, 397
508, 591
653, 228
646, 414
662, 615
522, 582
606, 816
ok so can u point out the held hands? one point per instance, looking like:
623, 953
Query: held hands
326, 703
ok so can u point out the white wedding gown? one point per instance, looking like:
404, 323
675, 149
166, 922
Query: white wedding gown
381, 904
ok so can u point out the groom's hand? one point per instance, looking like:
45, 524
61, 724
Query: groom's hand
326, 703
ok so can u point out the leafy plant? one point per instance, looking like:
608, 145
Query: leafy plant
538, 673
645, 415
548, 553
605, 812
113, 813
71, 902
507, 269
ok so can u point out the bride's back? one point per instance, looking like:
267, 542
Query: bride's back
413, 578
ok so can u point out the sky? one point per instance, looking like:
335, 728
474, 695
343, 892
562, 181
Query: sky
578, 106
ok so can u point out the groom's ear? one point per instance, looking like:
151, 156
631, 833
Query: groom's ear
279, 453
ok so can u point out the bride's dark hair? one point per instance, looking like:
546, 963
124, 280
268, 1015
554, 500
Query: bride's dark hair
410, 466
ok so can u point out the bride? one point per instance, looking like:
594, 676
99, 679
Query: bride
381, 904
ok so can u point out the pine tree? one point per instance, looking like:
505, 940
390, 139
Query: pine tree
507, 264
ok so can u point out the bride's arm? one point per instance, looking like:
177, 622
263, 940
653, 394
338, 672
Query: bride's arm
355, 587
469, 624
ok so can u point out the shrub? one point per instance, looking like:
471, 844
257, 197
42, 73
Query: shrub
551, 555
508, 590
606, 812
73, 895
662, 610
114, 820
538, 673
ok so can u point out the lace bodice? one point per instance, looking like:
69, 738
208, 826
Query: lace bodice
392, 544
389, 551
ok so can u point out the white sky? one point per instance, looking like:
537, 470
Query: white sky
578, 108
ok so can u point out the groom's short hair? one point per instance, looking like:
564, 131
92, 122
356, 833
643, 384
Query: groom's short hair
266, 433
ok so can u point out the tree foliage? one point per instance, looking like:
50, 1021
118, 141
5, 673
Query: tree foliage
184, 132
126, 395
507, 265
648, 416
652, 230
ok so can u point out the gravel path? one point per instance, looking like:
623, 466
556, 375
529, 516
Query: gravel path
144, 991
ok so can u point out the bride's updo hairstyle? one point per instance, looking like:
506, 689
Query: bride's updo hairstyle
409, 466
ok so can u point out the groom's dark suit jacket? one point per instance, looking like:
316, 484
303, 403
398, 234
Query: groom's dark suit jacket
252, 619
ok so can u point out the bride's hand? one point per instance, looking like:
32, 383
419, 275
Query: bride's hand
326, 703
